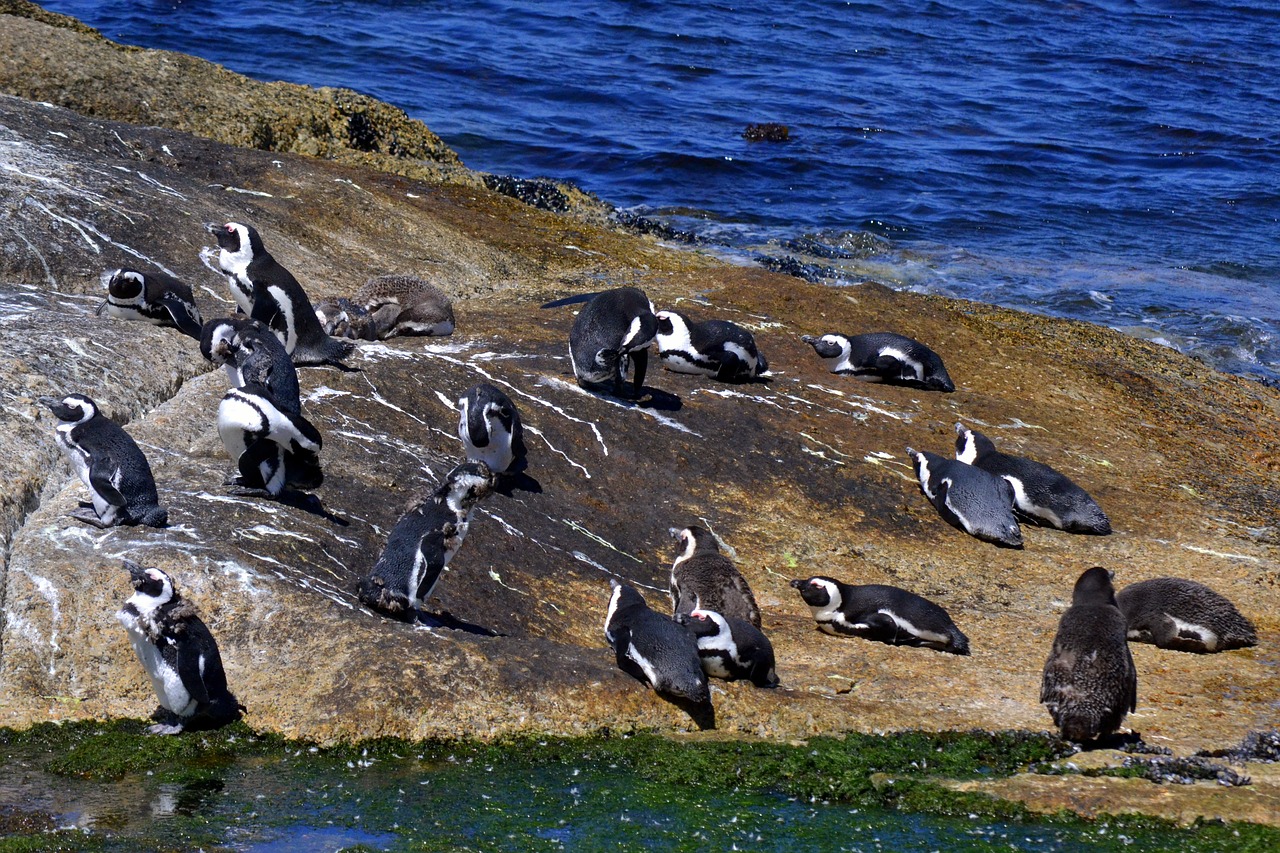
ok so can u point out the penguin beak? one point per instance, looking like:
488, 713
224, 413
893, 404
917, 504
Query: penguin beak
137, 574
797, 583
50, 402
213, 228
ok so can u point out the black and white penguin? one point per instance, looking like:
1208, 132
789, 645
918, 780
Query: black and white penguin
178, 653
1040, 493
883, 357
703, 577
1090, 682
152, 297
274, 449
715, 348
250, 352
979, 503
1180, 614
613, 329
109, 463
490, 429
423, 542
656, 651
885, 614
731, 648
268, 292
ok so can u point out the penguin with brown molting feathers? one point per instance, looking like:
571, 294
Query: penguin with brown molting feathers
1181, 614
1090, 682
703, 577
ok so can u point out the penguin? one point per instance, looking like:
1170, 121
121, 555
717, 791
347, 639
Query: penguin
153, 297
250, 352
178, 653
1040, 493
341, 318
490, 429
703, 577
883, 357
405, 305
274, 449
423, 542
1180, 614
731, 648
109, 462
885, 614
615, 327
267, 291
979, 503
656, 651
1090, 682
716, 348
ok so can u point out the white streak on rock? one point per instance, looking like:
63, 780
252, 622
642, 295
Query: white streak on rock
573, 525
49, 592
224, 499
555, 449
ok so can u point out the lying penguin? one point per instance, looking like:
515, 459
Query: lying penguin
1180, 614
973, 500
152, 297
731, 648
885, 614
715, 348
883, 357
387, 306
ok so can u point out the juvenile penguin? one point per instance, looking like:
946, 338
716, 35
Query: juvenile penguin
1180, 614
654, 650
423, 542
490, 429
1090, 682
178, 653
405, 305
341, 318
153, 297
274, 449
979, 503
1039, 492
883, 357
109, 463
715, 348
703, 577
731, 648
885, 614
613, 329
250, 352
268, 292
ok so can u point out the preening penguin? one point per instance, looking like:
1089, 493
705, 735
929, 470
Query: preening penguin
178, 653
250, 352
1039, 492
423, 542
274, 449
883, 357
490, 429
714, 348
731, 648
1090, 682
109, 463
703, 577
882, 613
979, 503
268, 292
615, 327
153, 297
387, 306
1180, 614
656, 651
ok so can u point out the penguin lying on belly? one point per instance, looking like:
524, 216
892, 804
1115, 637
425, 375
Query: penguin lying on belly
152, 297
883, 357
715, 348
882, 613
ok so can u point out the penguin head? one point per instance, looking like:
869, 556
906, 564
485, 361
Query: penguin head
694, 540
818, 591
125, 285
641, 332
71, 409
971, 446
623, 598
333, 316
673, 330
920, 461
217, 339
239, 244
151, 583
704, 623
1094, 588
936, 377
830, 347
466, 485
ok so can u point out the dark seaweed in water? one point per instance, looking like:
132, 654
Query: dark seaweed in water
536, 192
647, 225
809, 272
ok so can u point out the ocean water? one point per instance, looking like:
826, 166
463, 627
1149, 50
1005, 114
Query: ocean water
1116, 161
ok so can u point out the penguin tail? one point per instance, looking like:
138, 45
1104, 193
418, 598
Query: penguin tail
329, 351
156, 516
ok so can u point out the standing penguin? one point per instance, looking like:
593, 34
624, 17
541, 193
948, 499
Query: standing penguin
714, 348
1176, 613
153, 297
656, 651
883, 357
731, 648
703, 577
979, 503
1090, 682
267, 291
1039, 492
109, 462
885, 614
178, 653
250, 352
423, 542
614, 327
274, 449
490, 429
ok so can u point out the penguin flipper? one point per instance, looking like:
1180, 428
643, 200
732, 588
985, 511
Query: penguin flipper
640, 360
185, 316
101, 477
189, 670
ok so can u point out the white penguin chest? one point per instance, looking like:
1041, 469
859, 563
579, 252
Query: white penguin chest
170, 691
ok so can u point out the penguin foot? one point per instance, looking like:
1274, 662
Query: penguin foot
90, 516
165, 729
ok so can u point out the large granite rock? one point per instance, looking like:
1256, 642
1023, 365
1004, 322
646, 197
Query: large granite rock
803, 474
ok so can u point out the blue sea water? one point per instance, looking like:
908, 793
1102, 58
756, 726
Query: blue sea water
1116, 161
